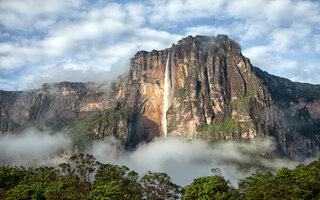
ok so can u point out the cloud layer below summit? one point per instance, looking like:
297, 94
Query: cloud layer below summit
182, 160
186, 160
32, 147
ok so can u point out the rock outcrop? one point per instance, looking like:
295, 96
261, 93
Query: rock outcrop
212, 92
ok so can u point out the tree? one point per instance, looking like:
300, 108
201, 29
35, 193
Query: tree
27, 191
62, 190
79, 171
84, 165
210, 187
250, 186
74, 181
299, 183
107, 191
158, 185
10, 177
115, 182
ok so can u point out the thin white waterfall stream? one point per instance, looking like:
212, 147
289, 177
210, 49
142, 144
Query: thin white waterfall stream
166, 98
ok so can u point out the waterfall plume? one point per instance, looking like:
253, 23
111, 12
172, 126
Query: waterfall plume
166, 97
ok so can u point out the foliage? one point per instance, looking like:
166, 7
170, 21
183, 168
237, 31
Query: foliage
210, 187
299, 183
158, 186
94, 126
229, 126
9, 177
115, 182
182, 94
26, 191
109, 190
243, 102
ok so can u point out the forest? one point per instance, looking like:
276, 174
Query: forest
83, 177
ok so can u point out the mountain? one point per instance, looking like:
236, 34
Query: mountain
201, 87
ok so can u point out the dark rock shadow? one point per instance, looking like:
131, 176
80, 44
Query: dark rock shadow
143, 130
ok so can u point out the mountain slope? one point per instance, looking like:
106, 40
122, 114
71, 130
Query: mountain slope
200, 87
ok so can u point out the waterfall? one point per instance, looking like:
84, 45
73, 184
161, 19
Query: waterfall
166, 97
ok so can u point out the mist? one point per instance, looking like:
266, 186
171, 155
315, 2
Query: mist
186, 160
183, 160
32, 147
75, 73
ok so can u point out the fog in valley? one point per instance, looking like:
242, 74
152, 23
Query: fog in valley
32, 147
183, 160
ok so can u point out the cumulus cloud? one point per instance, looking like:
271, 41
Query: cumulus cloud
181, 10
290, 39
98, 43
38, 37
271, 13
290, 54
185, 160
27, 15
32, 146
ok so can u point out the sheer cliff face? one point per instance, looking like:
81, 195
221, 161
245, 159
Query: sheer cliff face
215, 93
212, 92
206, 75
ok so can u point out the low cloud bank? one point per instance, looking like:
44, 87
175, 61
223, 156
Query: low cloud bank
31, 147
185, 160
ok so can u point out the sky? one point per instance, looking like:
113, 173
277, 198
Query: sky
93, 40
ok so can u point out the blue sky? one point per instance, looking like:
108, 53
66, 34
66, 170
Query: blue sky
88, 40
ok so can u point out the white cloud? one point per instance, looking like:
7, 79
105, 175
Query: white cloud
205, 30
102, 61
181, 10
108, 36
245, 9
288, 39
262, 56
42, 35
185, 160
34, 14
30, 146
266, 59
273, 13
233, 30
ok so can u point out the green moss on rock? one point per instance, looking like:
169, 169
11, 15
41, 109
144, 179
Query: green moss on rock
228, 126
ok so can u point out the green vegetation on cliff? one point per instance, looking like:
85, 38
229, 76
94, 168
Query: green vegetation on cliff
99, 125
228, 126
95, 126
218, 131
